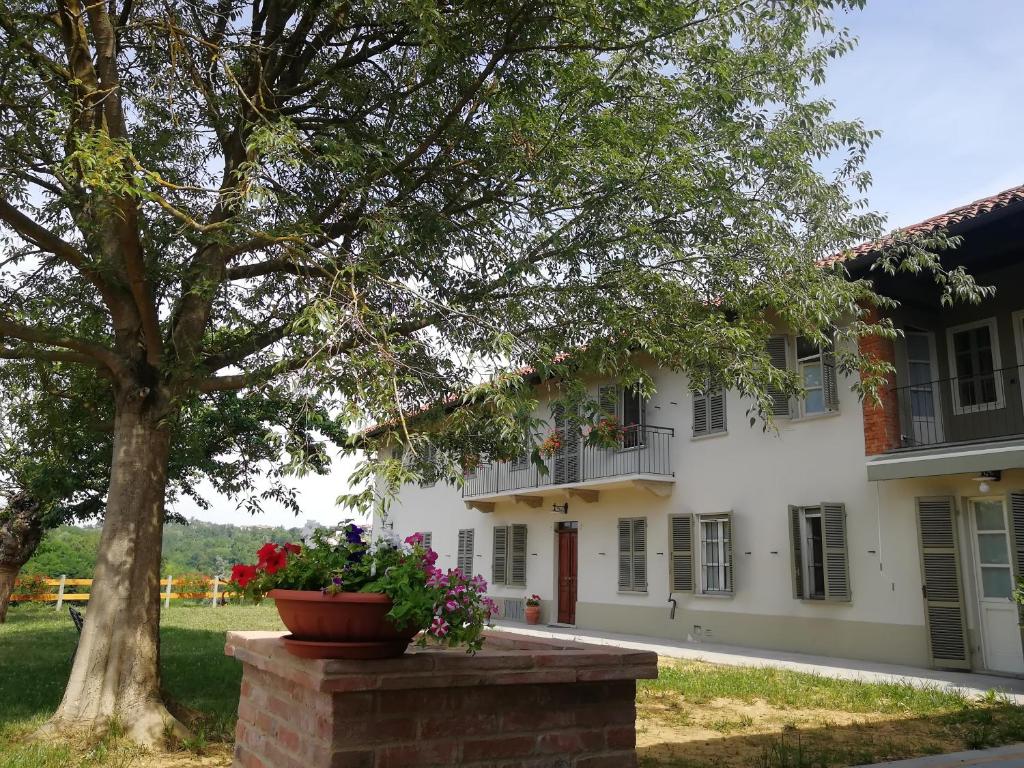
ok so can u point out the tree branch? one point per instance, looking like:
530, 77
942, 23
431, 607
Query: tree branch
97, 352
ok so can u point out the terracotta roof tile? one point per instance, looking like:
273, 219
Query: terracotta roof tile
960, 215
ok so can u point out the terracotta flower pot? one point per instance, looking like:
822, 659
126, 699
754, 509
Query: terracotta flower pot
349, 625
533, 614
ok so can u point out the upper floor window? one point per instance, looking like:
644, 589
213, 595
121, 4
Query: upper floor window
817, 369
974, 364
627, 406
708, 409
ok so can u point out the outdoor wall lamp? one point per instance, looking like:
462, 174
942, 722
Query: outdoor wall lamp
560, 509
985, 479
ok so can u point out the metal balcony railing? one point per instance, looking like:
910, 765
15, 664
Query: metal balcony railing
962, 409
645, 450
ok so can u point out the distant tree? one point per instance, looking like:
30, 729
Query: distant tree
376, 202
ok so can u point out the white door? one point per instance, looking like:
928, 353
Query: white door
922, 375
1000, 634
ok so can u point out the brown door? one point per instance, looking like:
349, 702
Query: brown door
567, 577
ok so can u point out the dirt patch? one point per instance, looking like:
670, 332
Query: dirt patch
734, 734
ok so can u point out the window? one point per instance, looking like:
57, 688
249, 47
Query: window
633, 554
708, 410
974, 364
508, 562
464, 559
627, 406
817, 369
428, 539
716, 555
821, 568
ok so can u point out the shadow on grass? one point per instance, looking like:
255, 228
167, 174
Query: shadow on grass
976, 726
200, 683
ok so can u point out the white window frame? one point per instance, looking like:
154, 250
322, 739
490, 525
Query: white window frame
997, 364
805, 362
806, 552
936, 389
724, 566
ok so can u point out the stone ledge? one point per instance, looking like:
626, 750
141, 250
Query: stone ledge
507, 659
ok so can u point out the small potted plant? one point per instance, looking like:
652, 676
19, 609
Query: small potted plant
533, 609
550, 445
344, 597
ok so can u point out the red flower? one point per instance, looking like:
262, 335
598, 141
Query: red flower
293, 548
264, 553
243, 574
276, 561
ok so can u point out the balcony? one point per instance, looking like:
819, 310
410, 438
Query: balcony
579, 471
957, 425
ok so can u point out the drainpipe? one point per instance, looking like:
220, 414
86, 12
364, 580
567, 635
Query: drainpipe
672, 610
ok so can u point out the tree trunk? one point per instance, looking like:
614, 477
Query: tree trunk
116, 674
21, 529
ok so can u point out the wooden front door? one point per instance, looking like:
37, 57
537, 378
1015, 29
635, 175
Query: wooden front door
567, 564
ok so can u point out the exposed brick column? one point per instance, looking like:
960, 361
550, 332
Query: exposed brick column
882, 420
520, 703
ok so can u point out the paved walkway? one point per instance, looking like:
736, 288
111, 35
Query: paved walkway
846, 669
1000, 757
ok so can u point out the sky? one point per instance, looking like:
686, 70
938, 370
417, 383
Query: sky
942, 80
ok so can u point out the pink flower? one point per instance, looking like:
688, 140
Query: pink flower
452, 606
414, 539
439, 627
437, 579
456, 573
430, 558
478, 583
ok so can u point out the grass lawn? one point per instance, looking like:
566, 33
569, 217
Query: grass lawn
712, 716
694, 715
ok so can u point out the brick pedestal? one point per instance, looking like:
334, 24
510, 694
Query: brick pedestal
520, 702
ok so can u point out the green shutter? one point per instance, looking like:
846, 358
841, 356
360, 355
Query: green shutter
465, 551
830, 384
1016, 507
428, 539
640, 554
700, 413
779, 357
517, 555
625, 555
610, 401
943, 590
797, 560
716, 410
836, 552
681, 550
499, 555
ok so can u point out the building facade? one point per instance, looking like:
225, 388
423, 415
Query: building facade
892, 532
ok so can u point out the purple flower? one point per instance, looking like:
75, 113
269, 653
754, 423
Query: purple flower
337, 581
479, 584
437, 579
414, 539
452, 606
353, 534
439, 627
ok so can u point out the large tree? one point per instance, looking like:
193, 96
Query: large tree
370, 204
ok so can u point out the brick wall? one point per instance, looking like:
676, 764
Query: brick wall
881, 420
528, 704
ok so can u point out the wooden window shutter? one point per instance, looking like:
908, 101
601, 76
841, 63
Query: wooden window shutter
700, 413
517, 555
499, 556
610, 400
730, 568
778, 354
1016, 507
625, 555
836, 551
829, 382
943, 590
797, 562
681, 547
640, 554
716, 410
465, 552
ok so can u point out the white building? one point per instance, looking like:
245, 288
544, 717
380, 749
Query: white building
852, 531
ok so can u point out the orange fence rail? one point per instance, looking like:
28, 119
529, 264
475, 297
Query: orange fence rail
165, 593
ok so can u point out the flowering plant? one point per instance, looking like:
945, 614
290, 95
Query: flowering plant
606, 433
551, 445
533, 601
449, 607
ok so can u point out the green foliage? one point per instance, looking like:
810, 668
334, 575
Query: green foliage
198, 547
